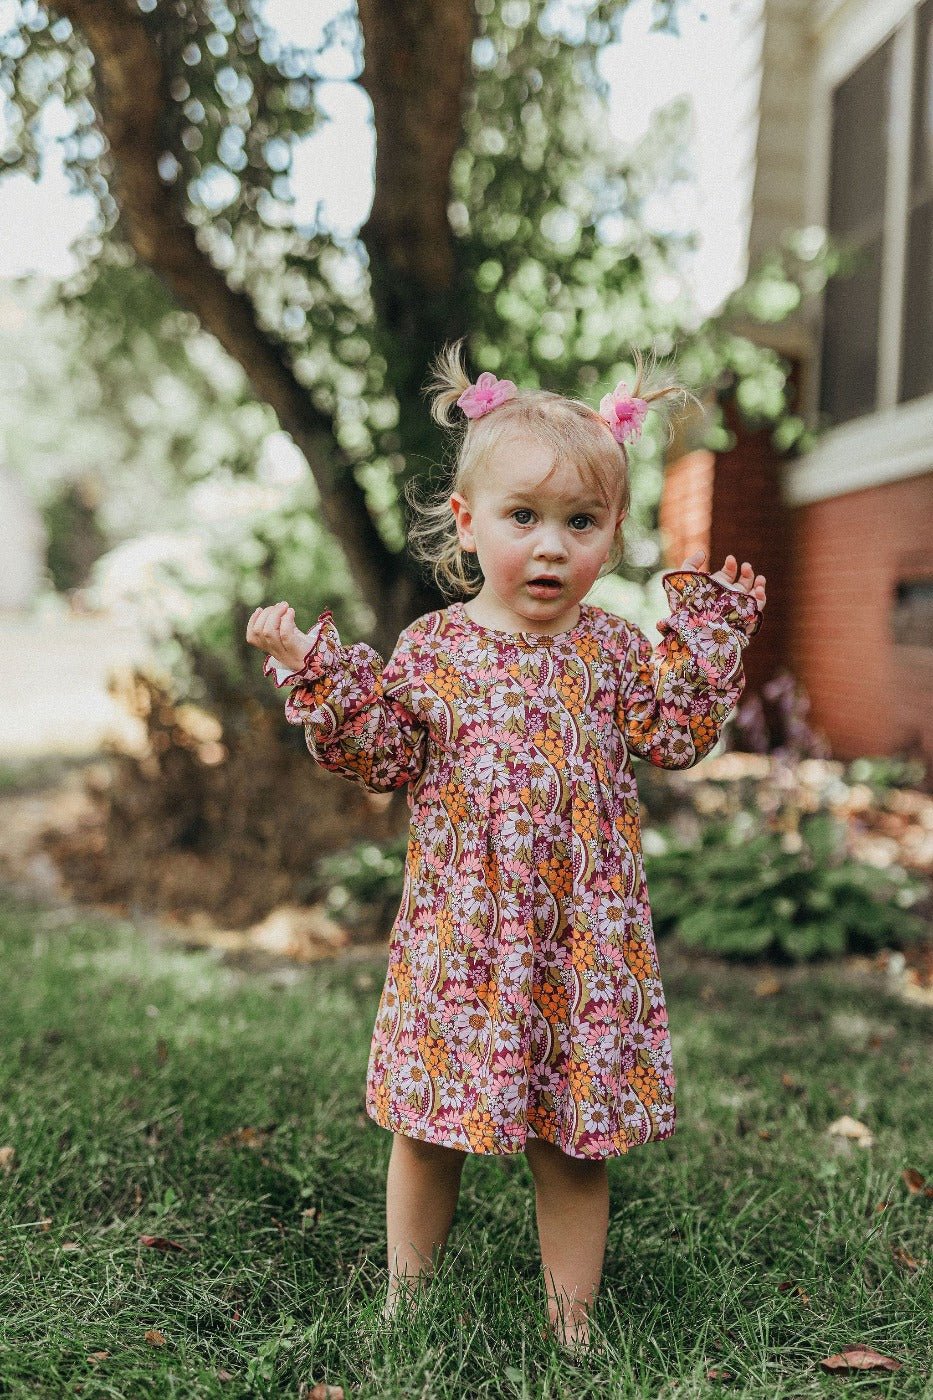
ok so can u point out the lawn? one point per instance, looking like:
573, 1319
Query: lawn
192, 1197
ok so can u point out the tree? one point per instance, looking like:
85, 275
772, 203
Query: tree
499, 210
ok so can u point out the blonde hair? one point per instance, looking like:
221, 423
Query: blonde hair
573, 429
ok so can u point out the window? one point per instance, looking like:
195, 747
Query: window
917, 343
857, 186
912, 613
877, 335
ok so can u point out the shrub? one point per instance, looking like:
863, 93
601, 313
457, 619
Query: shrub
742, 893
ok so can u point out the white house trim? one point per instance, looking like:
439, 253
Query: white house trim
881, 447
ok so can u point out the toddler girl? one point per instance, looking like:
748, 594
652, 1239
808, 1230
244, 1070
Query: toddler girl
522, 1008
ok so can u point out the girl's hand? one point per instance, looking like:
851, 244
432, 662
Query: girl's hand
273, 630
748, 581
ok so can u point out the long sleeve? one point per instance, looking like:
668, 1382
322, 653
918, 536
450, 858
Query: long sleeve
347, 700
673, 702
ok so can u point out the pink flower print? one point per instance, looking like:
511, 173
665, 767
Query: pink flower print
488, 392
508, 1062
624, 414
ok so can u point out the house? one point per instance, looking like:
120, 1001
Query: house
834, 101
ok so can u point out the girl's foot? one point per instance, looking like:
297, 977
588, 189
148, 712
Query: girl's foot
574, 1341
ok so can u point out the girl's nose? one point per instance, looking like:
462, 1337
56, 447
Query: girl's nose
549, 546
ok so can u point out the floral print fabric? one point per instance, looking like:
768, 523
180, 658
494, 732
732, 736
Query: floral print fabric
523, 994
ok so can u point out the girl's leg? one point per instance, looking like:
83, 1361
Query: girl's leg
422, 1190
572, 1204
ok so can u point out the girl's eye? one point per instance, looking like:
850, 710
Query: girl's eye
523, 510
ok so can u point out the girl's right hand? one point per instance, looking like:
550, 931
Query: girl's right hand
273, 630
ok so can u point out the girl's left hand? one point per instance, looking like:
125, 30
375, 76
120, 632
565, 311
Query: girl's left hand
747, 582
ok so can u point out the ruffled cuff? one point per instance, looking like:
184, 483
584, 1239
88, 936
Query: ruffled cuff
323, 650
695, 592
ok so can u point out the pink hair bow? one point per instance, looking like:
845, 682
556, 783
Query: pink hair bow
488, 392
624, 414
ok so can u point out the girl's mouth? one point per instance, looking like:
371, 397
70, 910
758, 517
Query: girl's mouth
545, 588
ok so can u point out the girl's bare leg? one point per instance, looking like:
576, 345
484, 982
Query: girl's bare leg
572, 1206
422, 1191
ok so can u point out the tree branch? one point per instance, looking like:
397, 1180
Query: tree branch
132, 94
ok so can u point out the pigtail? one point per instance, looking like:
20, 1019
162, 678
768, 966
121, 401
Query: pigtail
449, 381
643, 388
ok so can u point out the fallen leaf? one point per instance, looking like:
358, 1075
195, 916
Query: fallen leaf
767, 986
914, 1181
245, 1137
71, 1245
225, 1375
788, 1284
321, 1391
6, 1158
96, 1356
159, 1242
847, 1127
856, 1358
900, 1256
718, 1373
155, 1338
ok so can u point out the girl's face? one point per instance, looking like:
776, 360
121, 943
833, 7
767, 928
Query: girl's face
522, 530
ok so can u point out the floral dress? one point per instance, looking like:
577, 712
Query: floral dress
523, 995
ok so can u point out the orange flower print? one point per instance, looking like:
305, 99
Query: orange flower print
638, 958
454, 797
644, 1079
445, 682
445, 928
552, 999
704, 731
491, 871
629, 828
480, 1129
558, 877
434, 1054
551, 744
584, 820
570, 690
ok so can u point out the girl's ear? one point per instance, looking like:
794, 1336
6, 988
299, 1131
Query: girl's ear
464, 518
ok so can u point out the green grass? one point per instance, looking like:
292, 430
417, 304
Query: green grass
123, 1063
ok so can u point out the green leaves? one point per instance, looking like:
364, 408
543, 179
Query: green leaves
748, 898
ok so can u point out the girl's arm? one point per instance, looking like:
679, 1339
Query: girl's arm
345, 698
674, 701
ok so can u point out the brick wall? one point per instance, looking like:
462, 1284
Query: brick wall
832, 569
731, 503
871, 693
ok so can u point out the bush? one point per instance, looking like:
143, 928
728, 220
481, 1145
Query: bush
788, 895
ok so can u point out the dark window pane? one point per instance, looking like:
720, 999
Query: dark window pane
912, 613
859, 159
917, 338
849, 366
917, 346
921, 165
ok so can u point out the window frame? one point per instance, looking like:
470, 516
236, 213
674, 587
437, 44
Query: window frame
896, 438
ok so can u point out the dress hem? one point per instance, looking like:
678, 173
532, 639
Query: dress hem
408, 1130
